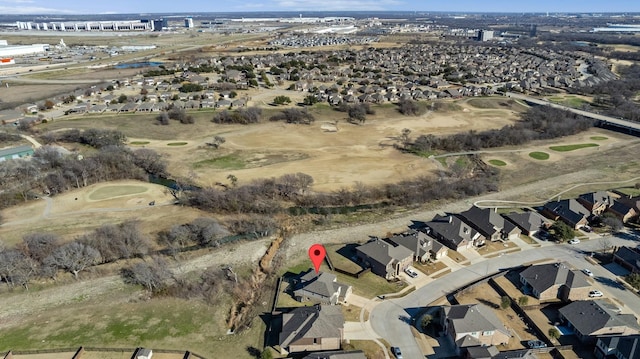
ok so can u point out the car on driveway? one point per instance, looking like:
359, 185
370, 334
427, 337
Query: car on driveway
595, 294
587, 272
574, 241
411, 273
396, 351
536, 344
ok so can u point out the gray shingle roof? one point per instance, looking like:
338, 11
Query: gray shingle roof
589, 316
384, 252
356, 354
629, 255
544, 276
528, 221
323, 284
485, 220
469, 318
568, 209
311, 322
452, 229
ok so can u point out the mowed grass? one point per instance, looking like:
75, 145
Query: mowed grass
159, 323
570, 101
176, 143
599, 138
539, 155
567, 148
115, 191
498, 163
139, 143
227, 162
496, 103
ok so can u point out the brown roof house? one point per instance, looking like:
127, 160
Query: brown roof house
528, 222
596, 202
555, 281
320, 288
472, 325
384, 259
570, 211
309, 329
424, 247
490, 224
592, 318
452, 232
629, 258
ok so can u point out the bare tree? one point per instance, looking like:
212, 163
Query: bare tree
16, 268
39, 246
74, 257
154, 275
605, 244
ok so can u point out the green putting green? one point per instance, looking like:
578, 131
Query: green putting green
567, 148
539, 155
176, 143
497, 163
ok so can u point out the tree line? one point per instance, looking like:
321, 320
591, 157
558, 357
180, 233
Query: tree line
52, 171
617, 97
538, 123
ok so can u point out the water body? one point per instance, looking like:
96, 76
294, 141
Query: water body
135, 65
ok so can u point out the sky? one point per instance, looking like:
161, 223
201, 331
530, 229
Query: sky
194, 6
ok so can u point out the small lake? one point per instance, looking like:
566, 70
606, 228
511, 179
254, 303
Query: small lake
135, 65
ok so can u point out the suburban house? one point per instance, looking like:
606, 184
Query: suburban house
13, 153
311, 329
490, 224
320, 288
592, 318
383, 258
473, 325
452, 232
619, 347
570, 211
629, 258
528, 222
596, 202
424, 247
491, 352
622, 210
353, 354
555, 281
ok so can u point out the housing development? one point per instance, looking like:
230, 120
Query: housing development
473, 179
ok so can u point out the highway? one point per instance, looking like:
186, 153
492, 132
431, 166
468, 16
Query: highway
596, 116
390, 318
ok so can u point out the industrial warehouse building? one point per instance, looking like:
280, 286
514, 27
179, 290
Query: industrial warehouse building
8, 51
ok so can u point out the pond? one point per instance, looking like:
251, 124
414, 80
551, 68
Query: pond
135, 65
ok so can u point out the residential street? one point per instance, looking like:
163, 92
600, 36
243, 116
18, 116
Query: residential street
391, 318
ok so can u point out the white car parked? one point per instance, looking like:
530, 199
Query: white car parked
587, 272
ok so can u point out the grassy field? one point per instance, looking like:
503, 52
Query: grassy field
498, 163
570, 101
539, 155
567, 148
599, 138
116, 191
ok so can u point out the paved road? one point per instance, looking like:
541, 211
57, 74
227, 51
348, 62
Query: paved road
618, 121
390, 319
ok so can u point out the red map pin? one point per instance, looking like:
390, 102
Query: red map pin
317, 254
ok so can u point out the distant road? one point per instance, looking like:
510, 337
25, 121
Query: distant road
596, 116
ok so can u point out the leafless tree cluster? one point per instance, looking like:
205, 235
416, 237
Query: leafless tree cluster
93, 137
294, 115
253, 224
9, 137
201, 232
43, 255
154, 275
409, 107
243, 116
357, 112
263, 196
52, 172
538, 123
407, 192
179, 114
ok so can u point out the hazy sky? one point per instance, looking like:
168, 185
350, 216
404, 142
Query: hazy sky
161, 6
